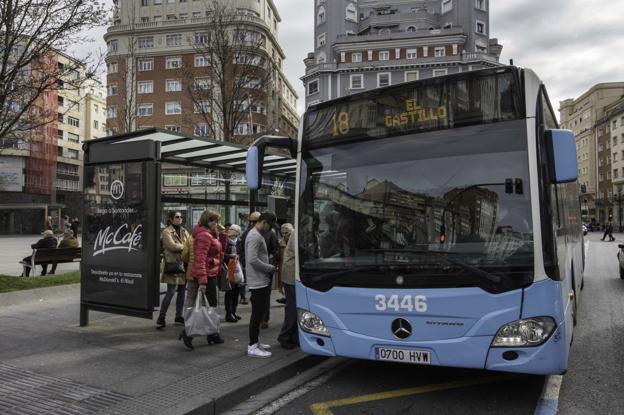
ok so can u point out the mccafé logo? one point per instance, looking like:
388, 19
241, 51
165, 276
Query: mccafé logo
117, 189
121, 239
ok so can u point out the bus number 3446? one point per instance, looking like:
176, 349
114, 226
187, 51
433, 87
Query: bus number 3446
410, 303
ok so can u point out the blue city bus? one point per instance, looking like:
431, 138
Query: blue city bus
438, 223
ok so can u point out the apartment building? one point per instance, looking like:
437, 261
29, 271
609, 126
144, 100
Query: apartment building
613, 123
41, 169
582, 115
366, 44
152, 48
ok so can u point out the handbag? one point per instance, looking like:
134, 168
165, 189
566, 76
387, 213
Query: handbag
231, 271
239, 277
222, 279
201, 319
174, 267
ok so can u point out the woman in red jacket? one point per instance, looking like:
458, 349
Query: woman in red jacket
209, 239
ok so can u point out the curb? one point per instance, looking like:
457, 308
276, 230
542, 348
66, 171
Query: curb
234, 393
549, 400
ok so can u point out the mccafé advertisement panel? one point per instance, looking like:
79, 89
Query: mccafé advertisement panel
119, 260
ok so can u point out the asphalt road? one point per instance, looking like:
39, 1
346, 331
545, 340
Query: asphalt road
593, 384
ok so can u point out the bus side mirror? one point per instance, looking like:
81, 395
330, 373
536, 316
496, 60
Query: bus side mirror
253, 168
563, 150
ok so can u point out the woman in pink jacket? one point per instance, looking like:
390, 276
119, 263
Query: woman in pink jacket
209, 239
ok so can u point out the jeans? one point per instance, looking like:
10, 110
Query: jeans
171, 289
231, 300
259, 298
241, 291
289, 332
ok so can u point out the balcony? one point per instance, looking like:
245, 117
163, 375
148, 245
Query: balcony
466, 58
177, 22
400, 35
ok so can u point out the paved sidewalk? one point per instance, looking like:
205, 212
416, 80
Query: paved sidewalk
122, 365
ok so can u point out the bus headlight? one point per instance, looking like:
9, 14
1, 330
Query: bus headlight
528, 332
311, 323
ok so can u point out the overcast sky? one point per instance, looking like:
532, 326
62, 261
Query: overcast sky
571, 44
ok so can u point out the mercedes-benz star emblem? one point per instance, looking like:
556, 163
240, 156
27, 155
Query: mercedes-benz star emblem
401, 328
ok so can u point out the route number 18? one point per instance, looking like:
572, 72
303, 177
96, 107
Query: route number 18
340, 124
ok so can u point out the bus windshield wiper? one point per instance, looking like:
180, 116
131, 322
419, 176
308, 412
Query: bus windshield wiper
444, 256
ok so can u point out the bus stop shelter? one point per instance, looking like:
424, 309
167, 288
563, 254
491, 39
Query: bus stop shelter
122, 211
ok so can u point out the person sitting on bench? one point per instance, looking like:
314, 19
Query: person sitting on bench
48, 241
68, 241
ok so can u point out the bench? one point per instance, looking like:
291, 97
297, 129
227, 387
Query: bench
52, 256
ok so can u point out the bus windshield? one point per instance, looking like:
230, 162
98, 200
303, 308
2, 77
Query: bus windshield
447, 208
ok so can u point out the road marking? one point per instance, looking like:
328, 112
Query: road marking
324, 408
549, 401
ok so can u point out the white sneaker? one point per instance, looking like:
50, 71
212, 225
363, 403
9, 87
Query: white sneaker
255, 351
264, 346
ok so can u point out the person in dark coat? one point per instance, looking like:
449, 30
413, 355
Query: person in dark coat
74, 227
48, 241
231, 296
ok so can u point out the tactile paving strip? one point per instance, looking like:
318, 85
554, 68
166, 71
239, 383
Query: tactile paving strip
23, 392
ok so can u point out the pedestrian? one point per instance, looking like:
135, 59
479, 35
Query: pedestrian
240, 249
258, 272
209, 238
47, 242
286, 230
272, 242
231, 296
173, 238
48, 224
289, 334
66, 224
74, 226
68, 241
610, 231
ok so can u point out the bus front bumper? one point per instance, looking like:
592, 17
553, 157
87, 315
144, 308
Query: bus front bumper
465, 352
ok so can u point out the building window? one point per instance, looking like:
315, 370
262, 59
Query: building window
112, 45
201, 60
201, 107
411, 76
313, 87
322, 58
111, 112
202, 130
175, 180
173, 85
383, 79
145, 110
146, 65
440, 72
146, 42
145, 87
112, 67
351, 13
172, 17
74, 137
447, 6
480, 4
96, 125
384, 55
320, 40
74, 122
320, 15
112, 89
615, 173
173, 128
356, 81
144, 3
172, 108
615, 141
202, 83
480, 28
173, 40
411, 54
356, 57
201, 38
439, 52
173, 62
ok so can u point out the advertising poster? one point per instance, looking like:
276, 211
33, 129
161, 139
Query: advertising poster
118, 259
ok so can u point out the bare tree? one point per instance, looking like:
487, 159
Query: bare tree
231, 78
32, 33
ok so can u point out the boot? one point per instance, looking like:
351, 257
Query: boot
160, 323
188, 341
230, 318
214, 339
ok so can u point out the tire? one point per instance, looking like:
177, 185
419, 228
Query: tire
621, 273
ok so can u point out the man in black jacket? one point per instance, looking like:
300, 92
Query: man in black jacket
48, 241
